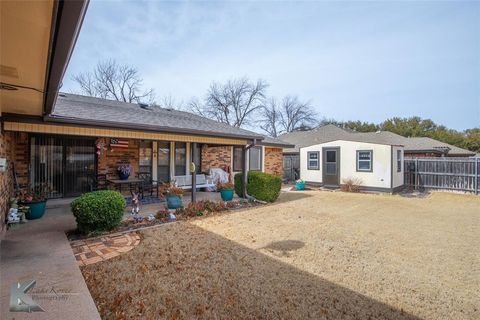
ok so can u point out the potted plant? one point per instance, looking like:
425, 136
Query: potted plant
300, 184
124, 171
226, 190
35, 199
173, 195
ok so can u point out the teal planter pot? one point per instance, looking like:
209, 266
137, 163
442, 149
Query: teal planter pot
174, 202
227, 195
300, 185
37, 210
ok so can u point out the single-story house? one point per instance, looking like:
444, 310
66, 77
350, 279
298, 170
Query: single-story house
413, 146
374, 164
63, 139
86, 136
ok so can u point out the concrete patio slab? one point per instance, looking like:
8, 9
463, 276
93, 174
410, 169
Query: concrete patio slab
40, 251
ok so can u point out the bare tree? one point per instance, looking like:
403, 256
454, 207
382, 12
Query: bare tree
296, 115
233, 103
110, 80
290, 115
270, 118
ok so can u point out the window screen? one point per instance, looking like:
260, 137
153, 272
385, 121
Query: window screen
313, 160
237, 159
364, 160
399, 160
256, 159
180, 158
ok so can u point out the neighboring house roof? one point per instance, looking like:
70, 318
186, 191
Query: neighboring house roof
331, 132
72, 108
429, 144
275, 142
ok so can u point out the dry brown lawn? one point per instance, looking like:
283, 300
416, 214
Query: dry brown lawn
313, 255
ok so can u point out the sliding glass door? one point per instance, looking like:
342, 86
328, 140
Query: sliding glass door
64, 164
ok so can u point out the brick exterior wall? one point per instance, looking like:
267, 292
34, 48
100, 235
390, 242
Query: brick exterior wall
216, 157
110, 159
6, 181
20, 154
274, 161
13, 147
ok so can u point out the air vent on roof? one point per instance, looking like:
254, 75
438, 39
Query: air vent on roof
143, 105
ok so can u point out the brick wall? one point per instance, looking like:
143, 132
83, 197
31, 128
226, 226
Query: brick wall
6, 184
20, 154
274, 161
422, 155
216, 157
110, 159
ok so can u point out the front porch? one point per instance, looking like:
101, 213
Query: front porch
71, 166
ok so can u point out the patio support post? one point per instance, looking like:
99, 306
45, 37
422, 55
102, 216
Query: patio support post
194, 173
244, 172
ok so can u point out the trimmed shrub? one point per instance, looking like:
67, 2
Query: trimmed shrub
98, 210
260, 185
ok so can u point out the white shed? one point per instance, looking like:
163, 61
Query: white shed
378, 165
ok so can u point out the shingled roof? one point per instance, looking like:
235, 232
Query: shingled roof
74, 108
331, 132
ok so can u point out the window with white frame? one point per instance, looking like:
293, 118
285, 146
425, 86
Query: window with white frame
399, 160
313, 160
364, 160
255, 158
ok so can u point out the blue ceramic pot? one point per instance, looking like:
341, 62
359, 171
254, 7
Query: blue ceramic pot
227, 195
300, 185
123, 176
174, 202
37, 209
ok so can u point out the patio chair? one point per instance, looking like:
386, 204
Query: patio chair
98, 182
147, 185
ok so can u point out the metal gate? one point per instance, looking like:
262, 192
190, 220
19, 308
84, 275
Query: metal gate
65, 164
291, 167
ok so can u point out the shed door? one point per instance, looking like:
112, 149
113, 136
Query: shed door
331, 167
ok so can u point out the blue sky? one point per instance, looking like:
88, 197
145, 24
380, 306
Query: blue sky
353, 60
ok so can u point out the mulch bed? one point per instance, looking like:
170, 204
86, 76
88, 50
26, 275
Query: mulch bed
130, 224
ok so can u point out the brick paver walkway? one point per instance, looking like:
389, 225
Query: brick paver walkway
95, 250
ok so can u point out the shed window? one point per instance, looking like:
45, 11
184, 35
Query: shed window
364, 160
313, 158
255, 158
399, 160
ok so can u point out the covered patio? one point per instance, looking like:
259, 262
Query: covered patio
82, 144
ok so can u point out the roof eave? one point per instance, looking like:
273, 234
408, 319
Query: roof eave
66, 24
122, 125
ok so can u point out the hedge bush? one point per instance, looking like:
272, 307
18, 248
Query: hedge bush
98, 210
262, 186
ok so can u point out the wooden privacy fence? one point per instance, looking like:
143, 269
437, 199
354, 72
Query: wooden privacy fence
461, 174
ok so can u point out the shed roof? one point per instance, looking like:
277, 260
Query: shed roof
331, 133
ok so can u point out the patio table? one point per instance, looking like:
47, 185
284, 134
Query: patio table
118, 183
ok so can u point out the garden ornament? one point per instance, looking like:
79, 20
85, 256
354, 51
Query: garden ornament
135, 203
